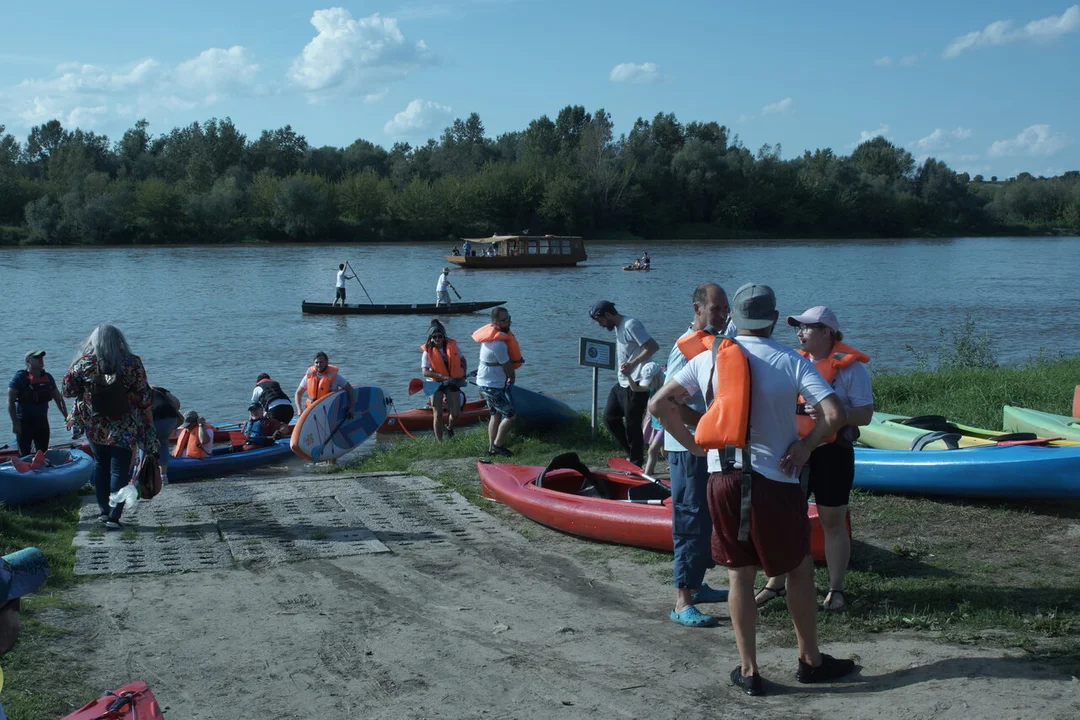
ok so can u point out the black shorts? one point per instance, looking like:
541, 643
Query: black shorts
281, 413
832, 472
340, 294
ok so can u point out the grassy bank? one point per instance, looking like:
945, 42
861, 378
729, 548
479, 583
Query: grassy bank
38, 682
998, 574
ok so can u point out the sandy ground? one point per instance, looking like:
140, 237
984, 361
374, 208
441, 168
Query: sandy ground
511, 628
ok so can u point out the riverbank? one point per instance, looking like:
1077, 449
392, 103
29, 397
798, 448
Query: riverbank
953, 606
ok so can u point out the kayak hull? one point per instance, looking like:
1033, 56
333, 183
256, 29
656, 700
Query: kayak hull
530, 406
607, 520
1020, 472
225, 461
420, 419
49, 482
1043, 424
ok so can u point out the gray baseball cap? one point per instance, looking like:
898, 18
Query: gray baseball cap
753, 307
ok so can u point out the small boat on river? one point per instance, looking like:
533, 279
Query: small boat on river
457, 308
507, 252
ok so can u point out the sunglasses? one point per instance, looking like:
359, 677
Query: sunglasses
811, 326
438, 336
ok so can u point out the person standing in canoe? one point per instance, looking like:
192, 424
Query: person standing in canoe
625, 406
441, 360
832, 464
442, 294
500, 357
342, 276
320, 380
269, 394
691, 525
759, 513
29, 395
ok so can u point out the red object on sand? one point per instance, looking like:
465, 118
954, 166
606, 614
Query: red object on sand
471, 413
134, 701
610, 520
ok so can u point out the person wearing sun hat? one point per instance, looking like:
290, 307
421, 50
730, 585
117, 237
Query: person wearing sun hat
832, 464
442, 295
755, 499
21, 573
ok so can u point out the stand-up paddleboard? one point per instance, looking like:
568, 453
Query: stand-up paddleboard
322, 431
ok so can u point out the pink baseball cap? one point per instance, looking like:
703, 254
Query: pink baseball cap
817, 314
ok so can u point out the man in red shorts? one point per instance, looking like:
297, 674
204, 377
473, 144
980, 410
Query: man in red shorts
771, 531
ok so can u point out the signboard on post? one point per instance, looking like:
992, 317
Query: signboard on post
599, 355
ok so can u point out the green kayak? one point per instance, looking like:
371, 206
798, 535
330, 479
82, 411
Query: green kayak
898, 432
1043, 424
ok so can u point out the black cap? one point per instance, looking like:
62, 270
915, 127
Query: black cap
602, 307
262, 376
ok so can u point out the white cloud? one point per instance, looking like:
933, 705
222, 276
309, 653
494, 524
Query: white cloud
1001, 32
744, 118
634, 73
355, 55
780, 107
865, 135
884, 61
909, 60
417, 117
217, 70
83, 78
376, 97
1037, 140
940, 139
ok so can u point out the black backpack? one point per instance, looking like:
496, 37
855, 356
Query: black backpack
109, 399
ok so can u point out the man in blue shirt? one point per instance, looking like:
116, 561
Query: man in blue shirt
29, 395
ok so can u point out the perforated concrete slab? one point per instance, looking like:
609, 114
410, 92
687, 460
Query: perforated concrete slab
215, 524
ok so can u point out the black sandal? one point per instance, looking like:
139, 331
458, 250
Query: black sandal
832, 593
776, 593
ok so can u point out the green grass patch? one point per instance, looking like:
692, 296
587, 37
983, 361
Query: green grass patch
38, 681
974, 396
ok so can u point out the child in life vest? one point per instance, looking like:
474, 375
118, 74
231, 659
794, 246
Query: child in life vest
650, 377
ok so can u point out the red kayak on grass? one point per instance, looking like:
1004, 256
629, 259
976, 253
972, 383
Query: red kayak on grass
599, 505
420, 419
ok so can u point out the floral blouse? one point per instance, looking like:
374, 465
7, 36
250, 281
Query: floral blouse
130, 430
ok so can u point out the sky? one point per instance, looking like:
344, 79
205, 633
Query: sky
982, 84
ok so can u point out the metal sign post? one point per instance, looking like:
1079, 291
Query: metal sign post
599, 355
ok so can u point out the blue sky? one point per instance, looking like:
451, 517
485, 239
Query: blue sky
987, 86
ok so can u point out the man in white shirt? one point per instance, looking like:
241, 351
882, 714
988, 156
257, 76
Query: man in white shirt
495, 375
442, 295
342, 276
626, 407
765, 501
691, 527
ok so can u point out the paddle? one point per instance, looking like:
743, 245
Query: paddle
456, 292
357, 278
631, 469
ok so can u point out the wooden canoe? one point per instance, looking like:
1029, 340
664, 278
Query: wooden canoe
457, 308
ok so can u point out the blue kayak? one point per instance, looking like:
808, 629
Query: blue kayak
531, 407
65, 471
225, 461
1018, 472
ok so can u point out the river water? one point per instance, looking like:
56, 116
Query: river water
207, 320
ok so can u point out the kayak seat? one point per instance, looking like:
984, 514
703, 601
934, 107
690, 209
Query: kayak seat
648, 492
592, 485
952, 440
937, 423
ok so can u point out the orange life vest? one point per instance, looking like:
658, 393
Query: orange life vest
695, 343
187, 440
319, 386
842, 356
726, 422
435, 358
490, 333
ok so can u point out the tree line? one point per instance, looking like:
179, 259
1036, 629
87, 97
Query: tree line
208, 182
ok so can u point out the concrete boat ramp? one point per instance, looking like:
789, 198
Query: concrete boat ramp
271, 520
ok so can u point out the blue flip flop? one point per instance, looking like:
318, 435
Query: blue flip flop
707, 594
692, 617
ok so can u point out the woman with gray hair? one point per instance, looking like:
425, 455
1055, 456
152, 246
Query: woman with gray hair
113, 408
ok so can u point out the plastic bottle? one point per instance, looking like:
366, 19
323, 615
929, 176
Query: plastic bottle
129, 494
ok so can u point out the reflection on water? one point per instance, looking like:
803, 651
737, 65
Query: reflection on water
208, 320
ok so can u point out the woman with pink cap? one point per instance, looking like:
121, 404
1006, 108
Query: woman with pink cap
832, 464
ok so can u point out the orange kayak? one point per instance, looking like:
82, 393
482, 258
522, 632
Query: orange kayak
622, 518
421, 419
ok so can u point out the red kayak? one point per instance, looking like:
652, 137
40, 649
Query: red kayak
422, 418
636, 512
